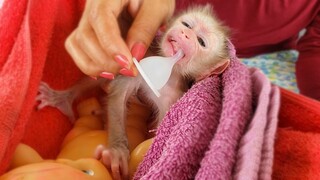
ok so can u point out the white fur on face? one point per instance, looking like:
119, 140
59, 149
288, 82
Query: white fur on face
204, 25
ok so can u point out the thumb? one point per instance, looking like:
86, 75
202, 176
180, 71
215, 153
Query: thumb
150, 16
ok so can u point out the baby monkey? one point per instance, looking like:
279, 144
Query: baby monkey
203, 40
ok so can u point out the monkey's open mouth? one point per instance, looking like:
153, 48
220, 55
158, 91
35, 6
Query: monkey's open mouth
174, 45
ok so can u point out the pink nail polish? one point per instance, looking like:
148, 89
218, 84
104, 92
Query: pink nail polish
122, 60
126, 72
107, 75
138, 51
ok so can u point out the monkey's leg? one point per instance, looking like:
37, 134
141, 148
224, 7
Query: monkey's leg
63, 99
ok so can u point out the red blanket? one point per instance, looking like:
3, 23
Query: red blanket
32, 35
298, 138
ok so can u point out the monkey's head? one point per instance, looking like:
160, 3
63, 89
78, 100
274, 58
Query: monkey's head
202, 38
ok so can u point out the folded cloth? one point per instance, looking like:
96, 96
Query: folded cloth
256, 148
200, 135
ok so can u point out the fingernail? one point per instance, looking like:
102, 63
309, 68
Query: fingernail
138, 51
126, 72
122, 60
93, 77
107, 75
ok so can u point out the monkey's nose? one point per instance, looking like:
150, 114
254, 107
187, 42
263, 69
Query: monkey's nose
184, 34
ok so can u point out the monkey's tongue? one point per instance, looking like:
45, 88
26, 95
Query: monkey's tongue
175, 47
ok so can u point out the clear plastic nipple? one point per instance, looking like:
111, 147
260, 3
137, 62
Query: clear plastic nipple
156, 70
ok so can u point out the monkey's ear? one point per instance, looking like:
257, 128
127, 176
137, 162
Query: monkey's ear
220, 68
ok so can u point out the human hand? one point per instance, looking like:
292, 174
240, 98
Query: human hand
111, 32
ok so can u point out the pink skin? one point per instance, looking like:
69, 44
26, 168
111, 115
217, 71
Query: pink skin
180, 38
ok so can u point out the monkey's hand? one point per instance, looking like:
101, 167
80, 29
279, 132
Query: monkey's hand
114, 158
58, 99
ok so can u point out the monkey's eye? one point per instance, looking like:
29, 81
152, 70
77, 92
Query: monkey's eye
201, 42
186, 24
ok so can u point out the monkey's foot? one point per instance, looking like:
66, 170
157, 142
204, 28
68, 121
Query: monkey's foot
58, 99
115, 159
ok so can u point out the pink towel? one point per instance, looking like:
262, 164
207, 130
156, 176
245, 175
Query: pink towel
256, 148
200, 135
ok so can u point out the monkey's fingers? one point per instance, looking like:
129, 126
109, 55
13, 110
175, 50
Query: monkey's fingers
42, 102
119, 165
44, 89
124, 167
59, 99
106, 158
115, 159
115, 167
111, 161
98, 151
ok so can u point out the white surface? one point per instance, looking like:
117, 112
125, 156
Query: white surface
146, 78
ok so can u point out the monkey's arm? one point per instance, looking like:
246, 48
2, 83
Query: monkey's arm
116, 155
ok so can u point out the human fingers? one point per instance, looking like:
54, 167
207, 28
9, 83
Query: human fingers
102, 18
81, 59
94, 50
89, 56
86, 52
150, 16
